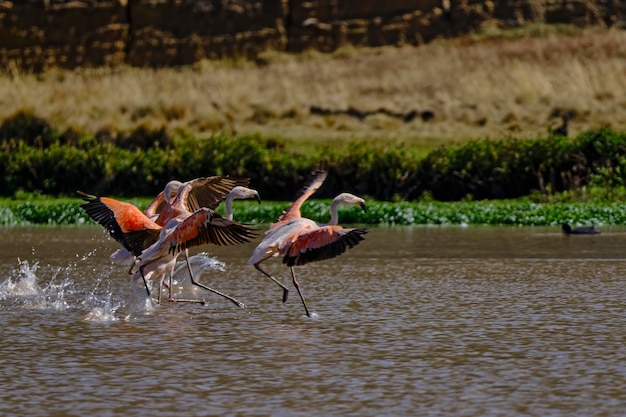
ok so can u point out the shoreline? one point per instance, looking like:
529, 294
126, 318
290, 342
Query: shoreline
516, 213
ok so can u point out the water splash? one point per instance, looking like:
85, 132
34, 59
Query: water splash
104, 310
106, 305
21, 282
53, 296
137, 303
201, 264
22, 286
32, 286
100, 305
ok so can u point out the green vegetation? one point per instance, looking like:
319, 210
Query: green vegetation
46, 211
512, 168
544, 181
37, 159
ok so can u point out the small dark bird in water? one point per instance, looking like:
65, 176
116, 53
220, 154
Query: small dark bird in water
581, 230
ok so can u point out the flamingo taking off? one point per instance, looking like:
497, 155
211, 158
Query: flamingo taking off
300, 240
205, 226
204, 192
237, 193
179, 201
123, 257
136, 230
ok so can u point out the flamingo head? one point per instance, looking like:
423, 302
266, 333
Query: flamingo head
171, 189
240, 193
350, 200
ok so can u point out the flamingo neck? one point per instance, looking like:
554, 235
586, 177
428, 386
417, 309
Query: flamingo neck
334, 212
228, 206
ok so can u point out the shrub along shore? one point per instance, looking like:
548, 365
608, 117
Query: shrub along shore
538, 181
521, 212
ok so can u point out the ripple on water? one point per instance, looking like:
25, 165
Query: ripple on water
425, 330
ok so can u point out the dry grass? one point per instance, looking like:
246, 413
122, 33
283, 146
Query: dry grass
489, 88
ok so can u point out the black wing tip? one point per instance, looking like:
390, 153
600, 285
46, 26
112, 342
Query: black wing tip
319, 173
321, 169
229, 233
243, 181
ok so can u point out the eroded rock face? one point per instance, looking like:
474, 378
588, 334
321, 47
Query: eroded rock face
39, 34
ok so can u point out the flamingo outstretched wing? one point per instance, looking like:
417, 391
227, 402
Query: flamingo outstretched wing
206, 226
156, 205
320, 243
125, 223
307, 191
207, 192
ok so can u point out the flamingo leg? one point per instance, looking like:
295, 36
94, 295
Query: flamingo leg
182, 300
145, 282
163, 283
159, 297
285, 289
194, 282
295, 283
169, 287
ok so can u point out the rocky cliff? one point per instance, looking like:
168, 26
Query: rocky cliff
40, 34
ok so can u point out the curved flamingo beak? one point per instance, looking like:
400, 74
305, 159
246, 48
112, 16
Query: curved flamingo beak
362, 205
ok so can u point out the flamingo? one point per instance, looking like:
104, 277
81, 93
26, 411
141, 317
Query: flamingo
300, 240
123, 256
181, 230
237, 193
137, 232
206, 194
205, 226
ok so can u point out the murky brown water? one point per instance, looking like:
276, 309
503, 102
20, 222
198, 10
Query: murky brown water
476, 321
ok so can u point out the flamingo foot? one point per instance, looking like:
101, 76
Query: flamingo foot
285, 295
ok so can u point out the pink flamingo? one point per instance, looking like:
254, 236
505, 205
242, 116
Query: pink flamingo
157, 260
205, 194
300, 240
123, 257
205, 226
135, 230
186, 204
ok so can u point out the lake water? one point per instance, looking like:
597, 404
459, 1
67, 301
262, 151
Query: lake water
424, 321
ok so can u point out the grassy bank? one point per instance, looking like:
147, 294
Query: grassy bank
523, 212
36, 158
513, 84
